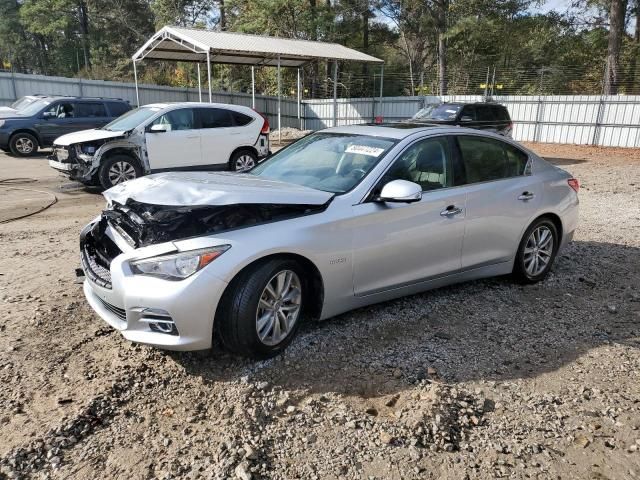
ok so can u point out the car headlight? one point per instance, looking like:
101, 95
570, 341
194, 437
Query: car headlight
1, 123
177, 266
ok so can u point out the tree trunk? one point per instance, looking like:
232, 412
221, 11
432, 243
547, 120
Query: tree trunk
84, 32
442, 7
223, 17
314, 36
365, 44
616, 31
634, 75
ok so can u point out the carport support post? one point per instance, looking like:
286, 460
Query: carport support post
209, 74
135, 77
279, 116
253, 87
298, 90
335, 93
199, 85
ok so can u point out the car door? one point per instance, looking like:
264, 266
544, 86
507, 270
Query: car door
89, 115
56, 120
399, 244
174, 143
502, 197
223, 130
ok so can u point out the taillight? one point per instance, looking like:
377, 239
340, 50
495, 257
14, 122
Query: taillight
574, 183
265, 124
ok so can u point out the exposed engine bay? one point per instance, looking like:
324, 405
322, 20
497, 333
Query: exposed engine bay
143, 224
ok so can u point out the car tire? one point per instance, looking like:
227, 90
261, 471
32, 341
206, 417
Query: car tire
117, 169
242, 160
246, 323
23, 144
536, 252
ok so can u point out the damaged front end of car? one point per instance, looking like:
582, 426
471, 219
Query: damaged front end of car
143, 224
81, 161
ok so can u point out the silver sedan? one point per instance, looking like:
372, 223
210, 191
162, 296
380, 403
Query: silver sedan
343, 218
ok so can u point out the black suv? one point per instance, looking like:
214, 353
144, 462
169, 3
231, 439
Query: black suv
41, 122
482, 116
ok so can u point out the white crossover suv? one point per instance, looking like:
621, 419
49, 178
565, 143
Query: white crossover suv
164, 137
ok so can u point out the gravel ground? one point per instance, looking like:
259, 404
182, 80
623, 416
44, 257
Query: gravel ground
481, 380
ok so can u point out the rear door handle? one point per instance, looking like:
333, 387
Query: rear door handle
526, 196
450, 211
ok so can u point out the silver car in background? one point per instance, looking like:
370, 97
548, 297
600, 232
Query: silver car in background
343, 218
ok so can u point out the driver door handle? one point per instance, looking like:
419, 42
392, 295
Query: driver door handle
526, 196
450, 211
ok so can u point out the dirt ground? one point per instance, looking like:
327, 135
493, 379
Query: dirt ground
480, 380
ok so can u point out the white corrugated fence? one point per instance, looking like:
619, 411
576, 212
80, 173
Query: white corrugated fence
574, 119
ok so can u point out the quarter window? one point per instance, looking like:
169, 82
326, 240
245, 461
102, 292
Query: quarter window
90, 110
486, 159
181, 119
425, 162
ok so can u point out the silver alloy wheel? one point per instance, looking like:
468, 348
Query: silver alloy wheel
279, 307
538, 250
121, 172
244, 163
24, 145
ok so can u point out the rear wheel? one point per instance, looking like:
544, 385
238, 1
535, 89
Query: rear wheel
537, 251
260, 312
118, 169
23, 144
242, 161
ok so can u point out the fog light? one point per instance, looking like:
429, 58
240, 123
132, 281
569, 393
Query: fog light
159, 321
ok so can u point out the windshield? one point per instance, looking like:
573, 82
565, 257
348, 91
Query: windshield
423, 113
445, 111
131, 119
34, 107
22, 103
333, 162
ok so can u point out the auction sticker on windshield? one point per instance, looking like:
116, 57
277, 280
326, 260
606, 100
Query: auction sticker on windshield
364, 150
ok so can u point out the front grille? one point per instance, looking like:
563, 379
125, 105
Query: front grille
97, 273
118, 312
97, 251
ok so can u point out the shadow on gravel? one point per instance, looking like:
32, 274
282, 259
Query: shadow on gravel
484, 330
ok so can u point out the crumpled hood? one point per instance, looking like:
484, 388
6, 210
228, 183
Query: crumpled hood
86, 136
209, 188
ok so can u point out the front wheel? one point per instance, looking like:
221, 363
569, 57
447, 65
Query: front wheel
118, 169
242, 161
260, 313
23, 144
536, 252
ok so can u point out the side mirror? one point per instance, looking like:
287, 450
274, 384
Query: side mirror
466, 118
159, 128
401, 191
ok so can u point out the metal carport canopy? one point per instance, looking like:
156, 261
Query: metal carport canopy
205, 46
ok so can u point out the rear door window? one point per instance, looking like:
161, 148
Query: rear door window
215, 118
485, 113
90, 110
117, 108
516, 161
484, 159
468, 114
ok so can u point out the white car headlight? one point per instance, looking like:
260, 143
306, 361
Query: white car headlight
177, 266
1, 123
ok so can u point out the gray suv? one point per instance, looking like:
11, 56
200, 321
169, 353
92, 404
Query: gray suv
38, 124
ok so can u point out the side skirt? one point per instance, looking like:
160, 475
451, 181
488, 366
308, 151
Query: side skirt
494, 270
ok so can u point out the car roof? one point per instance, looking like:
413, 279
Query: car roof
402, 130
199, 104
395, 130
